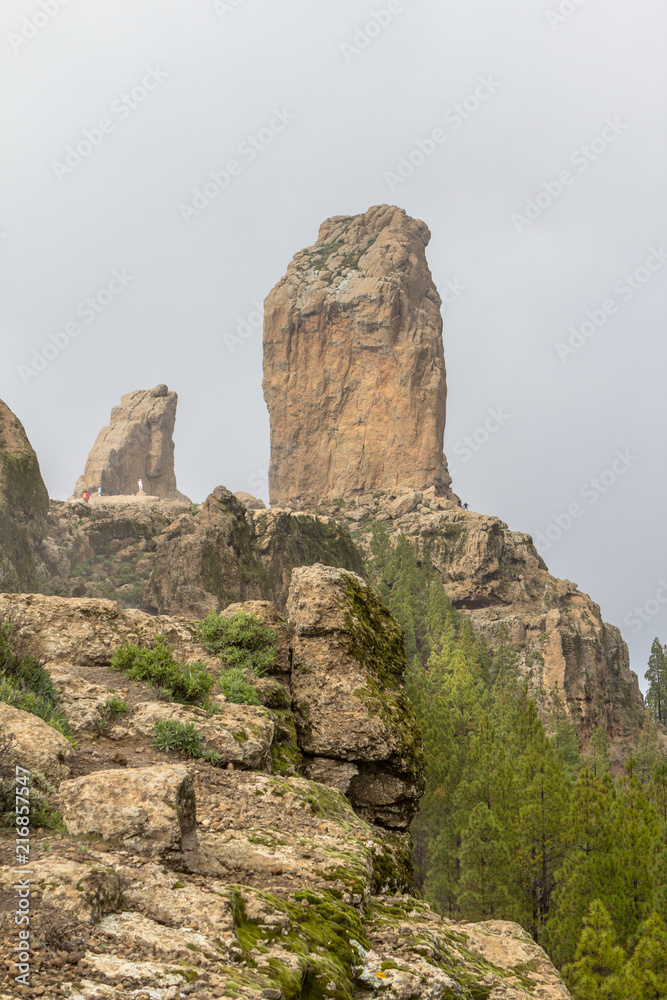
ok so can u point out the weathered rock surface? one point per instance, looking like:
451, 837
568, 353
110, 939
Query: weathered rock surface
24, 504
249, 501
354, 370
347, 692
37, 747
83, 703
150, 809
86, 632
240, 734
136, 445
226, 553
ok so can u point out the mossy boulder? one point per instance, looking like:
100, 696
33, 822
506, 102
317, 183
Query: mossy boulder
24, 504
348, 695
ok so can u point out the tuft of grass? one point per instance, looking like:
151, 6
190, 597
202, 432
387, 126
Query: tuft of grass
170, 735
183, 682
111, 710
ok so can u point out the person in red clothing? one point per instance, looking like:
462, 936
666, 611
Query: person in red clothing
86, 495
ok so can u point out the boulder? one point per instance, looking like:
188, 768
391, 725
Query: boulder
37, 747
24, 504
136, 445
83, 703
249, 501
151, 810
354, 369
348, 694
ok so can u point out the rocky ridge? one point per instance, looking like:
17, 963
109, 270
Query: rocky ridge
354, 370
181, 558
176, 877
497, 577
136, 445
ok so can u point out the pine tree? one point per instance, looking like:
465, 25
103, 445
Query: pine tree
647, 752
598, 754
540, 817
646, 972
635, 829
563, 733
588, 871
656, 675
483, 862
597, 971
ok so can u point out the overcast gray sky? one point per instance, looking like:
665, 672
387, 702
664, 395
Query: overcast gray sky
544, 193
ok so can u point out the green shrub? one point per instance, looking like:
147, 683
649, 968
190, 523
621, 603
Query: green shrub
170, 734
236, 689
114, 707
126, 573
184, 682
25, 684
241, 640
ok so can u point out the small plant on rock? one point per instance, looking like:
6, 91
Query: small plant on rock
170, 735
114, 707
25, 684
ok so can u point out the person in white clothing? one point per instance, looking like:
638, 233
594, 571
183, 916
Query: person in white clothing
140, 484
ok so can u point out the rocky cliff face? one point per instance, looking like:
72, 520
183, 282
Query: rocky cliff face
354, 371
179, 558
498, 577
24, 503
136, 445
235, 875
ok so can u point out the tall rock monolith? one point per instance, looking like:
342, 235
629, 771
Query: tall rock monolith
136, 445
354, 368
